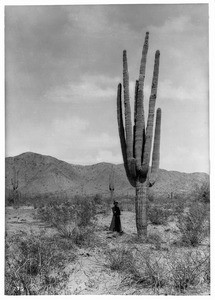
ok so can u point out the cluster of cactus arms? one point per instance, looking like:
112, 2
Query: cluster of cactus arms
111, 184
136, 139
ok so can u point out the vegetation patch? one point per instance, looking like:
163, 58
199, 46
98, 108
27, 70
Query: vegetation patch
193, 225
69, 218
157, 215
35, 265
119, 259
189, 269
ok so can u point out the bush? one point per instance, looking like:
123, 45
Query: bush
34, 265
155, 239
202, 193
119, 259
98, 199
157, 215
68, 215
193, 225
187, 270
178, 206
170, 273
84, 237
85, 211
148, 272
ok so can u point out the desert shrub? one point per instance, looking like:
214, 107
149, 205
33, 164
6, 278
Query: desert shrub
58, 216
119, 259
202, 192
148, 272
68, 215
84, 237
98, 199
34, 265
157, 215
153, 275
85, 211
155, 239
187, 270
193, 225
178, 205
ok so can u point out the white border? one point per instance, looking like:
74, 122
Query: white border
211, 113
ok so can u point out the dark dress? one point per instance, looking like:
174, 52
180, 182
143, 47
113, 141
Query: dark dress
116, 223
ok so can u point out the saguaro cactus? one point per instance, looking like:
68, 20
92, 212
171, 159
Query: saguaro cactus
15, 187
136, 141
111, 184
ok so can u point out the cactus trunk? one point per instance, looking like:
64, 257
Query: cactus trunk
141, 209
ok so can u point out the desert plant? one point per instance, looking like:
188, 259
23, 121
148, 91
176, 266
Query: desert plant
193, 225
34, 265
178, 205
136, 143
148, 272
98, 199
84, 237
61, 217
155, 239
202, 192
111, 184
68, 215
187, 270
85, 211
15, 187
157, 215
119, 259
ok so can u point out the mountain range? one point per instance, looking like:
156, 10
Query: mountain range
41, 176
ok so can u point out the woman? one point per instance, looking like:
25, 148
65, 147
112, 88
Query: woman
116, 223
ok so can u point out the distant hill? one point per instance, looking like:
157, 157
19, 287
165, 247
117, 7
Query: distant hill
41, 176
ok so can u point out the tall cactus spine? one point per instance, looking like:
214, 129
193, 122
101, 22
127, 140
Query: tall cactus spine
136, 142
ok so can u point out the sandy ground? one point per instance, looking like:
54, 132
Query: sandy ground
89, 275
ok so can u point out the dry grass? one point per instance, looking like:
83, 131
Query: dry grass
171, 273
35, 264
188, 270
119, 259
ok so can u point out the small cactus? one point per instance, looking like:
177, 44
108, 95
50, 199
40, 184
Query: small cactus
111, 184
136, 140
15, 186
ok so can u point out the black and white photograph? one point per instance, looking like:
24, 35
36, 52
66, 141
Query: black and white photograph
107, 149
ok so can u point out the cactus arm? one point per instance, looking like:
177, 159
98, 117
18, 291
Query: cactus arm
140, 121
135, 115
151, 113
128, 123
122, 135
156, 149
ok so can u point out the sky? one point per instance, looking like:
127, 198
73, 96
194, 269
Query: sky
63, 65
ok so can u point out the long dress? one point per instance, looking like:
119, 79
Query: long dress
116, 223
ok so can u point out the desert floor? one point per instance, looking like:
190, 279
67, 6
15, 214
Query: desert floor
89, 273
